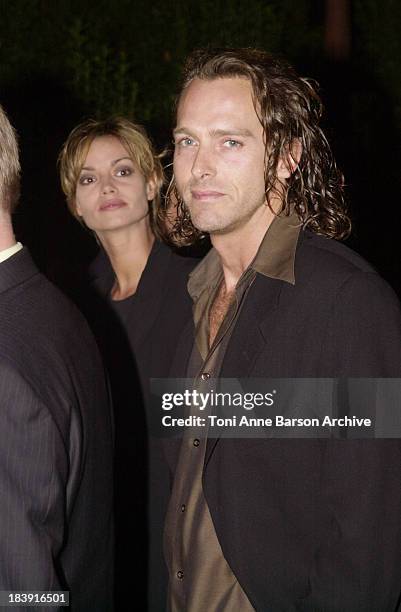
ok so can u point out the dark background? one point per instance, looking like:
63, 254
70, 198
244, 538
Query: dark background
64, 61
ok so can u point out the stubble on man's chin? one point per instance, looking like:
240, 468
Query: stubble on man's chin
204, 227
213, 230
210, 229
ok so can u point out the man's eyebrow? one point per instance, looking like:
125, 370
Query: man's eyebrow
233, 132
217, 132
181, 130
113, 163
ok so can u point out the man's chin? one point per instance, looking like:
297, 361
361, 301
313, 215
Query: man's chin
209, 226
205, 219
215, 231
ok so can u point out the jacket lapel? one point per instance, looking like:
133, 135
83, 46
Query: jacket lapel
150, 301
250, 335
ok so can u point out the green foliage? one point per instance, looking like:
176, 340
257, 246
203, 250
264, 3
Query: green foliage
102, 79
125, 58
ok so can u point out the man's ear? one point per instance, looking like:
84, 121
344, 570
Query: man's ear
289, 161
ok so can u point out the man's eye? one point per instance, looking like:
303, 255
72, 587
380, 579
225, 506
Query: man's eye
232, 144
124, 172
86, 180
185, 142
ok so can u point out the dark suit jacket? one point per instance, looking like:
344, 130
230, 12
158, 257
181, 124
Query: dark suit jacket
56, 445
310, 524
138, 340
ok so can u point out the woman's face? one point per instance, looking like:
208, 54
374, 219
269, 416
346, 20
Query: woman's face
112, 192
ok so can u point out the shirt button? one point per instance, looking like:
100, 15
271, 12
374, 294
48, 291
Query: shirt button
205, 376
196, 442
180, 575
183, 508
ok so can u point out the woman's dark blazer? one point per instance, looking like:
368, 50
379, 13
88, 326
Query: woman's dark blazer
138, 340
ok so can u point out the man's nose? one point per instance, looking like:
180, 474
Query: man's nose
204, 163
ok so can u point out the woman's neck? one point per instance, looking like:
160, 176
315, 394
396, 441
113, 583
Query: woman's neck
128, 250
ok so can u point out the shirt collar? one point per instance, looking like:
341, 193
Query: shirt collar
275, 257
7, 253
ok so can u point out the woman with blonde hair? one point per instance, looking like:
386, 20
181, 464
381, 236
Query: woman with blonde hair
112, 179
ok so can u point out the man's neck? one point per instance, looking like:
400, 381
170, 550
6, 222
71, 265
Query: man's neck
238, 248
7, 238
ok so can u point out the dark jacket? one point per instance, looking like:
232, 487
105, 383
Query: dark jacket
56, 447
138, 338
310, 524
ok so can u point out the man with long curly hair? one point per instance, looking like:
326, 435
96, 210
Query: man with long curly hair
276, 524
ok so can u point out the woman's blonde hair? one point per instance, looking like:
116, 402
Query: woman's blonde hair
134, 139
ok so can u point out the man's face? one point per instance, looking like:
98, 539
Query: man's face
219, 155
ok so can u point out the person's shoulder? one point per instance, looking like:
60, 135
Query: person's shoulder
35, 305
332, 254
51, 301
333, 266
44, 336
331, 259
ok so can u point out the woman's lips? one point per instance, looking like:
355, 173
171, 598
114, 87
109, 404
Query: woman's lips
112, 204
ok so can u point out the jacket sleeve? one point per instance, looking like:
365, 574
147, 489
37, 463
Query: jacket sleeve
33, 476
357, 564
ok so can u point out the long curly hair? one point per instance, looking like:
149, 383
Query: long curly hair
289, 109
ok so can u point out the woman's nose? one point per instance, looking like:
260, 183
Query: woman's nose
108, 186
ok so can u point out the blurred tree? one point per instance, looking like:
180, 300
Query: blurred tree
101, 78
126, 57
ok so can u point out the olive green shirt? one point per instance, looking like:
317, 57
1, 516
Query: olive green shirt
200, 578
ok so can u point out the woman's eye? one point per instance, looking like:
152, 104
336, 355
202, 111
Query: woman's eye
86, 180
124, 172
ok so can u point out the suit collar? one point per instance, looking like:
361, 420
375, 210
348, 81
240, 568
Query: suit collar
6, 253
16, 269
275, 257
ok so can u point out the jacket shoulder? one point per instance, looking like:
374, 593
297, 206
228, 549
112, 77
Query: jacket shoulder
333, 265
332, 254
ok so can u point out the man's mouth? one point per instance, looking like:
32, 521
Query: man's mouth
207, 194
